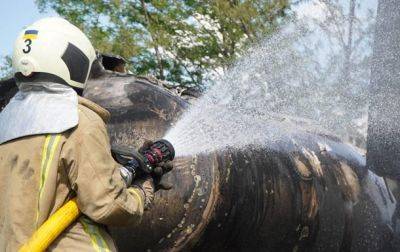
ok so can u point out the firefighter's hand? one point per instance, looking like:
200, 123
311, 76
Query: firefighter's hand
161, 169
159, 173
145, 146
146, 184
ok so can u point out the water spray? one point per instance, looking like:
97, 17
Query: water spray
288, 82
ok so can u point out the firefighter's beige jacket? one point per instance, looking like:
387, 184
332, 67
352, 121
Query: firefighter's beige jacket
38, 174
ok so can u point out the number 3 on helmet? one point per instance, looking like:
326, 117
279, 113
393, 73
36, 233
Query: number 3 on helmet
52, 49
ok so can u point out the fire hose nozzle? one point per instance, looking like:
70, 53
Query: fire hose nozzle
160, 151
136, 164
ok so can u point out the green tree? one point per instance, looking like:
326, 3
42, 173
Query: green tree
185, 42
5, 67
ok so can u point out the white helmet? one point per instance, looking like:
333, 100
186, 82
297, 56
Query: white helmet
53, 49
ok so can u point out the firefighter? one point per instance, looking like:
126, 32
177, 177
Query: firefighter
54, 146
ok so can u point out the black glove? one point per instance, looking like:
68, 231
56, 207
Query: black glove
159, 171
130, 160
126, 156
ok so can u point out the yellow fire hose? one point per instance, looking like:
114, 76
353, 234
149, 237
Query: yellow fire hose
52, 228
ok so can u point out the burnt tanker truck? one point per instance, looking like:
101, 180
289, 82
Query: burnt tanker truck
308, 192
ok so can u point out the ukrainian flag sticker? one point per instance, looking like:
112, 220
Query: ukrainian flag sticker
31, 34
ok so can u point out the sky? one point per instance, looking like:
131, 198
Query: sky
15, 15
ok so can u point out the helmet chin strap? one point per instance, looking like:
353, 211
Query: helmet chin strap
39, 77
43, 78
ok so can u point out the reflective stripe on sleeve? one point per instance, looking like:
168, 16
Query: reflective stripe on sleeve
49, 149
98, 242
137, 195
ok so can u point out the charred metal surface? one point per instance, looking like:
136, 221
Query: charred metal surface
305, 192
113, 63
266, 205
8, 89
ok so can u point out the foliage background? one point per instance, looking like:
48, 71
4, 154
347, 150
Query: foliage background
184, 42
5, 67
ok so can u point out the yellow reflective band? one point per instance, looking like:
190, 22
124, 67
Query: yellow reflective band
49, 149
98, 242
138, 197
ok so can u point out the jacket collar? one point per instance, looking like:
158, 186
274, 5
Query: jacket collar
103, 113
